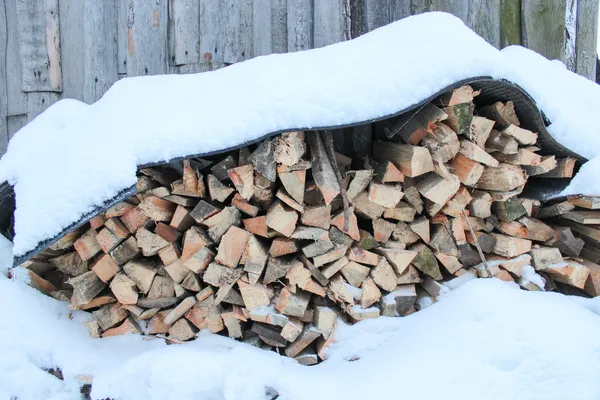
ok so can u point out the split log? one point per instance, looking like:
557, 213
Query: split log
411, 160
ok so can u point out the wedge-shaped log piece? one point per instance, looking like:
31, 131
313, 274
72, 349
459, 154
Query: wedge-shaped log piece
308, 336
294, 182
129, 326
466, 170
289, 148
569, 272
191, 282
217, 190
522, 157
481, 128
442, 143
352, 231
503, 113
219, 275
124, 289
142, 272
404, 234
367, 208
480, 205
294, 304
219, 223
243, 180
383, 229
105, 268
167, 232
255, 259
255, 296
206, 315
359, 314
118, 209
263, 160
385, 195
234, 328
85, 287
451, 263
330, 256
411, 160
203, 211
508, 246
592, 283
383, 275
442, 241
232, 245
505, 178
421, 228
523, 136
537, 230
126, 251
509, 210
162, 287
322, 170
589, 202
149, 242
410, 275
542, 257
282, 219
477, 154
363, 256
387, 172
355, 273
333, 268
257, 226
158, 209
177, 271
181, 331
360, 181
566, 242
110, 315
181, 220
282, 246
402, 212
70, 264
300, 276
370, 293
399, 259
180, 310
220, 169
583, 217
317, 216
437, 189
87, 245
564, 169
277, 268
425, 261
107, 240
243, 205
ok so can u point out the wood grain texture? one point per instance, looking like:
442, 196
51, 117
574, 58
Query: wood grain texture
262, 36
399, 9
377, 14
459, 8
40, 45
122, 7
357, 18
147, 37
184, 35
16, 122
279, 31
510, 22
587, 37
72, 21
300, 24
210, 32
420, 6
484, 19
17, 100
235, 21
543, 27
37, 102
331, 22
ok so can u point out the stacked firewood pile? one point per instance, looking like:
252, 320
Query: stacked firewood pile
273, 244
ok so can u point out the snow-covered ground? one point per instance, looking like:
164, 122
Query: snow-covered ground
485, 339
149, 119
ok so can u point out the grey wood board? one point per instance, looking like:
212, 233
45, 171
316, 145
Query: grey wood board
377, 14
543, 27
3, 97
100, 34
210, 33
331, 22
14, 123
122, 6
279, 31
587, 38
17, 99
484, 19
510, 22
38, 102
459, 8
147, 37
262, 31
73, 44
40, 45
399, 9
184, 16
300, 24
357, 18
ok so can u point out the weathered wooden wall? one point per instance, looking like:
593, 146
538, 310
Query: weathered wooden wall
52, 49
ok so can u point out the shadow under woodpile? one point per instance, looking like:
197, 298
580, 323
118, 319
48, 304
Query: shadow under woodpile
274, 242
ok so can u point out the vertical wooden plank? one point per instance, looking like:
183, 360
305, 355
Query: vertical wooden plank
377, 14
357, 18
587, 37
300, 24
279, 36
459, 8
235, 20
571, 32
3, 91
420, 6
210, 32
262, 27
100, 33
510, 23
38, 102
122, 7
17, 99
16, 122
543, 27
246, 44
147, 37
73, 46
331, 22
40, 44
399, 9
185, 33
484, 19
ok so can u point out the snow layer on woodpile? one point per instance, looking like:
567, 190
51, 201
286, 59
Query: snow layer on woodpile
485, 339
76, 156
